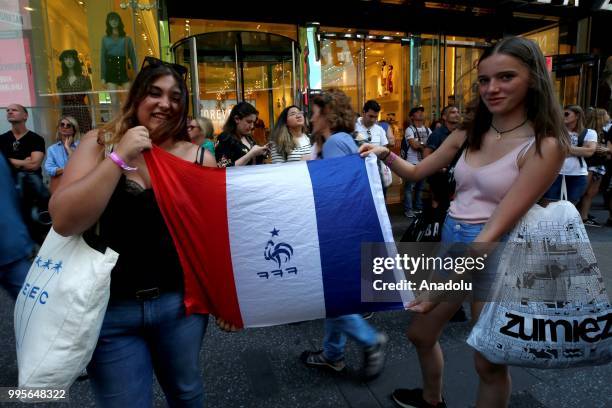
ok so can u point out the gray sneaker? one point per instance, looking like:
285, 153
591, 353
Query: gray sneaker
317, 359
374, 358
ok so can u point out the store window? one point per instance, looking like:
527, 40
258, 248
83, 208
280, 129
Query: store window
341, 68
80, 56
384, 81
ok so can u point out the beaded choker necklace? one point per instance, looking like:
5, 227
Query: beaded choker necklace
501, 132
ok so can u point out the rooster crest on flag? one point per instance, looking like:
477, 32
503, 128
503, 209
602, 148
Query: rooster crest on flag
277, 252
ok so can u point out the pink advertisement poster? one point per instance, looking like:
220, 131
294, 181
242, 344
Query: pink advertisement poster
16, 82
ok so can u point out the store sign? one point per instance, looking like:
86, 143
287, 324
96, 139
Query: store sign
547, 40
218, 111
13, 17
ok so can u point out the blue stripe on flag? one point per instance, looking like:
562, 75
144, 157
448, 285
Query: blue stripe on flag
346, 218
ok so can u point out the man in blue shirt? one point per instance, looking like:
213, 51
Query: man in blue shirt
15, 242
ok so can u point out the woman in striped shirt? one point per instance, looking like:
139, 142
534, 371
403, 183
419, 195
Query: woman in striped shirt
289, 140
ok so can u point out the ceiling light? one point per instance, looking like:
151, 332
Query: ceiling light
28, 8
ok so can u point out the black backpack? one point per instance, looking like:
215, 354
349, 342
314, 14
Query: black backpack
581, 137
405, 146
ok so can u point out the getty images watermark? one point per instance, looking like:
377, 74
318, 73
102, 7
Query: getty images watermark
491, 272
426, 264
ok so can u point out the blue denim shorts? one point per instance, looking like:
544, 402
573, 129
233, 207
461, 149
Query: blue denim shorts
457, 232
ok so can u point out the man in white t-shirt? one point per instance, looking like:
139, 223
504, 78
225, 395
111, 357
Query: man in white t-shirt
366, 127
416, 136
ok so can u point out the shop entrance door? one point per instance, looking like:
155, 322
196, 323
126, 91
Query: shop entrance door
573, 73
233, 66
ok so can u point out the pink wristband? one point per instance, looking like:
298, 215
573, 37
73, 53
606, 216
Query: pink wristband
119, 162
390, 159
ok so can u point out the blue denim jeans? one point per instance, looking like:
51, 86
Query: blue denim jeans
418, 202
13, 275
336, 330
142, 337
576, 186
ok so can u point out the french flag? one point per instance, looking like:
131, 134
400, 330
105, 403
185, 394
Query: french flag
273, 244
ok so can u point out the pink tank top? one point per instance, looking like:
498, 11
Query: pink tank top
480, 189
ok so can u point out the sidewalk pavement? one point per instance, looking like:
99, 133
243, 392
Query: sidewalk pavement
261, 368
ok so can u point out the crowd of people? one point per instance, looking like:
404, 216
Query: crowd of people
515, 128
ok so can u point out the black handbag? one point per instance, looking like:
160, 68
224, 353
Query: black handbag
426, 227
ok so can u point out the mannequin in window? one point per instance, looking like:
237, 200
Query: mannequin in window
389, 82
116, 48
70, 84
382, 84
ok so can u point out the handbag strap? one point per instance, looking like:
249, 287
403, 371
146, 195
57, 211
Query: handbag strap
563, 189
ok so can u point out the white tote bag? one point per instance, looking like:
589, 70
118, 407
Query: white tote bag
385, 174
548, 255
59, 311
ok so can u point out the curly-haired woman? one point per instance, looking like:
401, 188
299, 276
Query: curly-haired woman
333, 122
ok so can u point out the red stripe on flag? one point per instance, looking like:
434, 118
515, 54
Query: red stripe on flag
192, 200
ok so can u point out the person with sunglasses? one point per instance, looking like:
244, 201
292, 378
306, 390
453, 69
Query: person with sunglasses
24, 149
66, 141
366, 127
202, 132
106, 187
575, 169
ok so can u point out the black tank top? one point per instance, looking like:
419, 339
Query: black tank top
133, 225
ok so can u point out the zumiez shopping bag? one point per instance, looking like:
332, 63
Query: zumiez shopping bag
60, 309
549, 307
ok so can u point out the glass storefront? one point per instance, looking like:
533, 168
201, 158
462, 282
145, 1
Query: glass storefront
73, 57
400, 72
77, 57
231, 66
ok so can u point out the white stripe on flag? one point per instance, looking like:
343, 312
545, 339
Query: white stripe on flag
385, 225
271, 214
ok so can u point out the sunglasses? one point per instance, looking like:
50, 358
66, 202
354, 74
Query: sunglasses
65, 125
566, 114
16, 145
189, 127
156, 62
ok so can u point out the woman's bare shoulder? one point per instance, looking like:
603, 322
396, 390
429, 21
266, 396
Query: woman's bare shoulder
91, 142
